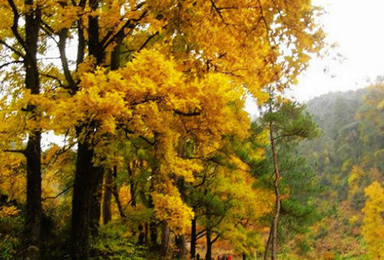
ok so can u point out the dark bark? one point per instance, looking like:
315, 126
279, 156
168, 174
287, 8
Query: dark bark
193, 238
155, 175
132, 184
153, 233
146, 233
180, 240
33, 206
81, 202
141, 238
94, 47
96, 194
165, 233
117, 200
108, 186
208, 254
181, 243
87, 178
33, 149
116, 53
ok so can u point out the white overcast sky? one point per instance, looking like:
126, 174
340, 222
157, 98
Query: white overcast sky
358, 28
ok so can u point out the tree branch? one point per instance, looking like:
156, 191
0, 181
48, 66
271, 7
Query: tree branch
12, 48
214, 240
59, 194
63, 58
201, 234
148, 40
131, 23
15, 24
181, 113
54, 78
10, 63
14, 151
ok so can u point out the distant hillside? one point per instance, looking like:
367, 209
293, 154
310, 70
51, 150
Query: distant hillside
335, 111
352, 128
347, 157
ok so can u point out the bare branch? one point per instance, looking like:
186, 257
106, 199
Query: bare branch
14, 151
54, 78
214, 240
59, 194
10, 63
12, 48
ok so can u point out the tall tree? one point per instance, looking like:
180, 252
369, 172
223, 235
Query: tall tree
22, 41
287, 123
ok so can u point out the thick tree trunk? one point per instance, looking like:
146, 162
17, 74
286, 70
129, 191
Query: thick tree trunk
165, 233
108, 186
81, 202
181, 242
33, 206
193, 238
153, 233
86, 176
33, 149
208, 254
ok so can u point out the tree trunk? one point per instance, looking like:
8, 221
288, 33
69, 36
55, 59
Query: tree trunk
164, 239
108, 186
268, 242
86, 174
193, 238
208, 254
153, 233
132, 184
33, 206
146, 232
96, 194
81, 202
180, 242
33, 149
277, 192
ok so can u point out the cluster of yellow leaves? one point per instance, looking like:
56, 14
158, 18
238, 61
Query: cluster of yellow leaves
172, 209
12, 176
10, 211
373, 222
158, 101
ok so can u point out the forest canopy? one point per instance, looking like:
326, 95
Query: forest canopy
158, 151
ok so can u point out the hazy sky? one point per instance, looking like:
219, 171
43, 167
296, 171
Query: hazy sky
358, 28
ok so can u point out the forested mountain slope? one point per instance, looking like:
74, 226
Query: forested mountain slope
348, 158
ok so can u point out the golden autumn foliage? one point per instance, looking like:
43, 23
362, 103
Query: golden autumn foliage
183, 71
373, 222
